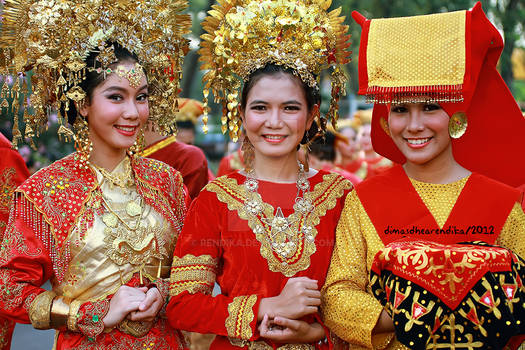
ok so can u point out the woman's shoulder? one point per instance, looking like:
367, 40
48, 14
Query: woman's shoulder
155, 171
59, 175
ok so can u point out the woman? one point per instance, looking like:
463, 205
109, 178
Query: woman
404, 227
263, 234
100, 224
13, 172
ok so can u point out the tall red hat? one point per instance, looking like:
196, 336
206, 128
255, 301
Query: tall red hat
449, 58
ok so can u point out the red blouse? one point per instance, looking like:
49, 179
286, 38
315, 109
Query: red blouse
218, 244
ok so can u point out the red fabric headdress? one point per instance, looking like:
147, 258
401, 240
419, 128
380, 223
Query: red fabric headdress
494, 141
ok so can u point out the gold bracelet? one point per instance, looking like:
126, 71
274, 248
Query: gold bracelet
40, 310
59, 312
73, 315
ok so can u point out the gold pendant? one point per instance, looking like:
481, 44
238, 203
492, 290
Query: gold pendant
110, 220
133, 209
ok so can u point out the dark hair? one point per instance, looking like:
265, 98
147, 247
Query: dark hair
311, 94
324, 147
93, 78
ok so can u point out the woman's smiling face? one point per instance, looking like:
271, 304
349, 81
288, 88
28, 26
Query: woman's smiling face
420, 131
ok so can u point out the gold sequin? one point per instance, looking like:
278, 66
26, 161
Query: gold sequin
439, 198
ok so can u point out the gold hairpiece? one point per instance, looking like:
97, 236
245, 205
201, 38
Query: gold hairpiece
42, 36
134, 75
245, 35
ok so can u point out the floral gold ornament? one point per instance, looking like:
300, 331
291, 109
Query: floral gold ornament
243, 36
39, 36
134, 75
457, 125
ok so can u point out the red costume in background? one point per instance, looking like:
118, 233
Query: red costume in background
189, 160
218, 244
13, 172
230, 163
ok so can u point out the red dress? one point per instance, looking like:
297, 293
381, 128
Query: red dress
189, 160
58, 232
230, 163
13, 172
218, 244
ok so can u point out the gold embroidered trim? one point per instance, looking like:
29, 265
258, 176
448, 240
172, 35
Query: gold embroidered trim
195, 274
240, 316
261, 345
323, 197
40, 310
72, 318
159, 145
7, 188
5, 327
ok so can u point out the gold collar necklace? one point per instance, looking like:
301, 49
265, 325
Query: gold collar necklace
281, 236
122, 179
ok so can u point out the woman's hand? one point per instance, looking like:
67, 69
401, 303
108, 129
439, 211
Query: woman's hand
290, 331
124, 301
149, 307
299, 297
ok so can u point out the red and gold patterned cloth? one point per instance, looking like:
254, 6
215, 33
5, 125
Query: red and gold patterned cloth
57, 231
439, 295
13, 172
218, 244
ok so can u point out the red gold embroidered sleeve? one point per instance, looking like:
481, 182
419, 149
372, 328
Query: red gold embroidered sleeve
240, 316
89, 318
195, 274
348, 310
24, 266
196, 263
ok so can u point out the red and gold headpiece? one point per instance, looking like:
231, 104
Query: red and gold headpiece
449, 58
245, 35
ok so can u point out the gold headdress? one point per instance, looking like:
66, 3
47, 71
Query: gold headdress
53, 38
243, 36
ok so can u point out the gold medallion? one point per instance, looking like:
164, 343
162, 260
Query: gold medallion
457, 125
110, 220
133, 209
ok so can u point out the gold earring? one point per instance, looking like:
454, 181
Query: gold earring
248, 153
83, 143
457, 125
139, 144
385, 126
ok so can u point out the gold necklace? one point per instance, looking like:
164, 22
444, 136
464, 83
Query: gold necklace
133, 209
282, 238
122, 179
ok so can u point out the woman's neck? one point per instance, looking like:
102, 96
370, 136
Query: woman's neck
107, 160
283, 169
442, 169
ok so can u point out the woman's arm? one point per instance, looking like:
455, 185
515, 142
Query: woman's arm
348, 309
196, 263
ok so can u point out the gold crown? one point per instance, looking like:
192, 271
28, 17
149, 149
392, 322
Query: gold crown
243, 36
54, 37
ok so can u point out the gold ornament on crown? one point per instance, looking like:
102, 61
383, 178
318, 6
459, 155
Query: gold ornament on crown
243, 36
52, 38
